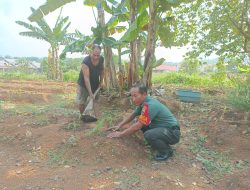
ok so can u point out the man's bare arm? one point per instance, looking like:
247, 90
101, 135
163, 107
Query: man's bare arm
102, 77
85, 71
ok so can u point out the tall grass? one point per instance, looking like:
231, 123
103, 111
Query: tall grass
240, 95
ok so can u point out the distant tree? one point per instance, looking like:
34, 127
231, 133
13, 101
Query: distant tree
22, 65
190, 66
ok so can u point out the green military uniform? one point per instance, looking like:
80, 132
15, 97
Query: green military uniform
160, 127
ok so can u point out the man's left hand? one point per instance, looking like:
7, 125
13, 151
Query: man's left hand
116, 134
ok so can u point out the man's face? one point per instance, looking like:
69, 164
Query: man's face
96, 54
136, 96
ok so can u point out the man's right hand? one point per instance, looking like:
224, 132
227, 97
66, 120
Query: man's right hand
115, 128
92, 96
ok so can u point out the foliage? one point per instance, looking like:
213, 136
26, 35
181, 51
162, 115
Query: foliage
186, 79
220, 27
69, 64
71, 76
55, 36
46, 8
240, 95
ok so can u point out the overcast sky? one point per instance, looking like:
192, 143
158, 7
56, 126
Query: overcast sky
81, 17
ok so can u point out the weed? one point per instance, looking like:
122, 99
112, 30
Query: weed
214, 162
72, 141
198, 145
41, 121
240, 96
55, 156
107, 118
74, 125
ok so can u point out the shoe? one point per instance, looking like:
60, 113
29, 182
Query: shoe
162, 157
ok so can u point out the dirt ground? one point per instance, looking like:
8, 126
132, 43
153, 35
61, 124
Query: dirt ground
44, 145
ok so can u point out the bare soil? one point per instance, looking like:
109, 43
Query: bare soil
44, 145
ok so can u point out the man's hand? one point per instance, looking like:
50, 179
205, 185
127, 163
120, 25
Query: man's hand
116, 134
115, 128
92, 96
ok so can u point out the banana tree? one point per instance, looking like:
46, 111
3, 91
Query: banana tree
55, 37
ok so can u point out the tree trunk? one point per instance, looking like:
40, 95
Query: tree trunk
150, 47
133, 75
110, 71
57, 64
50, 64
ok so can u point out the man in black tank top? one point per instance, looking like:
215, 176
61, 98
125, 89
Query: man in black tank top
90, 77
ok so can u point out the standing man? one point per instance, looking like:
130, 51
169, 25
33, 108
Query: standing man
160, 127
90, 77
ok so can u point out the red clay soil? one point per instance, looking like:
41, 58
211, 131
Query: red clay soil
49, 148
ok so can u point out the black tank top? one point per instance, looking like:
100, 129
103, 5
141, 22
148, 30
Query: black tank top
94, 73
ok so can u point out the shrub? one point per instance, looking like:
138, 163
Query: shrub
182, 79
71, 76
240, 95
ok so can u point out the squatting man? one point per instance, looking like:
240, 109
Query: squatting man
159, 126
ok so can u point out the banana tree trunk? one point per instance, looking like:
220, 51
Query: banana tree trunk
110, 71
133, 67
150, 47
50, 64
57, 65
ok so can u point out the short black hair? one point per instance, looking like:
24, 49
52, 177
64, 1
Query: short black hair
96, 46
141, 87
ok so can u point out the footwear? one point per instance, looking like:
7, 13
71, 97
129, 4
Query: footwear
162, 157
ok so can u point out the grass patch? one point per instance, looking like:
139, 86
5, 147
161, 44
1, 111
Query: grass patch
55, 156
107, 119
22, 76
28, 109
73, 125
41, 120
4, 139
214, 162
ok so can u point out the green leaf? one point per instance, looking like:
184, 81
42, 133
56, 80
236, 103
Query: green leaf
113, 2
135, 27
92, 3
109, 41
158, 62
46, 8
76, 46
126, 52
